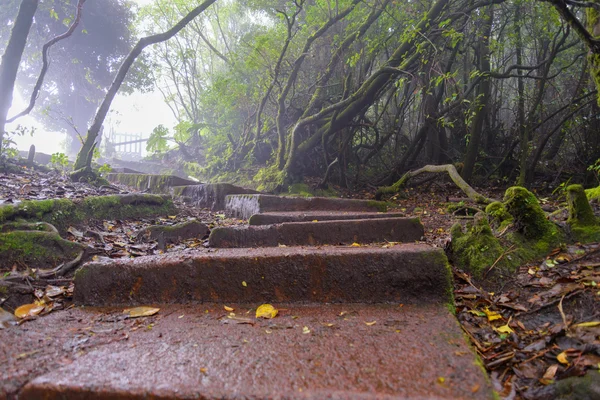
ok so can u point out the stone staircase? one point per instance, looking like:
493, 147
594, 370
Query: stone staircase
364, 320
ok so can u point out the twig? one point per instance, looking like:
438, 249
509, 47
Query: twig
562, 313
511, 249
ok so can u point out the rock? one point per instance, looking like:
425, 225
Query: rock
166, 234
209, 195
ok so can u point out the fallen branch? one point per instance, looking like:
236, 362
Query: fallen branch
448, 168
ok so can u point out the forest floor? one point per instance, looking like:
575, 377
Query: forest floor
538, 325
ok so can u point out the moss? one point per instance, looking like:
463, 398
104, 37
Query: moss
583, 224
529, 218
63, 212
593, 194
380, 206
477, 249
500, 217
36, 249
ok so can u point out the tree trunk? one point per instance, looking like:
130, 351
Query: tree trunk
12, 58
482, 99
84, 157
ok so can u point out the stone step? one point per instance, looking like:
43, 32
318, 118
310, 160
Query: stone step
310, 351
209, 195
310, 216
244, 206
319, 233
412, 273
148, 182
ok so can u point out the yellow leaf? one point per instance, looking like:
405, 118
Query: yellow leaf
266, 311
305, 330
172, 216
530, 271
589, 324
227, 308
492, 315
28, 310
141, 311
441, 379
562, 358
355, 245
203, 370
370, 323
315, 220
504, 329
244, 284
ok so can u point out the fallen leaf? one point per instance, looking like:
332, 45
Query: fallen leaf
492, 315
244, 284
266, 311
305, 330
550, 372
227, 308
370, 323
28, 310
355, 245
562, 358
141, 311
504, 329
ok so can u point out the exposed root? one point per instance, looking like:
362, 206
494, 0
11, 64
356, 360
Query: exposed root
449, 169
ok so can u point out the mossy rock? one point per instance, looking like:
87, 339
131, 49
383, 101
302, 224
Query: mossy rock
531, 235
593, 194
166, 234
476, 248
64, 212
529, 218
500, 218
583, 224
36, 249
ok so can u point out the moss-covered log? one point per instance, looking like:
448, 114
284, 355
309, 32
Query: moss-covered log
64, 212
447, 168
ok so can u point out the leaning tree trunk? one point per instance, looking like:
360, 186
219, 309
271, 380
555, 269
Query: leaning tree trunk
83, 162
12, 58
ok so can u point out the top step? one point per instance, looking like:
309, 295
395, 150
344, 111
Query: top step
244, 206
152, 183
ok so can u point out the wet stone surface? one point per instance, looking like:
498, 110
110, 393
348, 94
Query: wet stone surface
346, 351
319, 233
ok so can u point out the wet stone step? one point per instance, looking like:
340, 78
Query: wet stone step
209, 195
244, 206
402, 273
149, 182
308, 351
319, 233
316, 216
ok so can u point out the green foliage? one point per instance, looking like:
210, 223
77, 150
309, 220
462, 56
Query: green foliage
157, 142
105, 169
268, 179
8, 146
59, 161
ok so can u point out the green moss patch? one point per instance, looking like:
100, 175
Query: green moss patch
584, 225
508, 234
36, 249
63, 212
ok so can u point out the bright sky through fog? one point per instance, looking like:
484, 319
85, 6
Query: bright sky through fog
137, 113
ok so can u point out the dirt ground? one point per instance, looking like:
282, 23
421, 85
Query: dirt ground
539, 325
